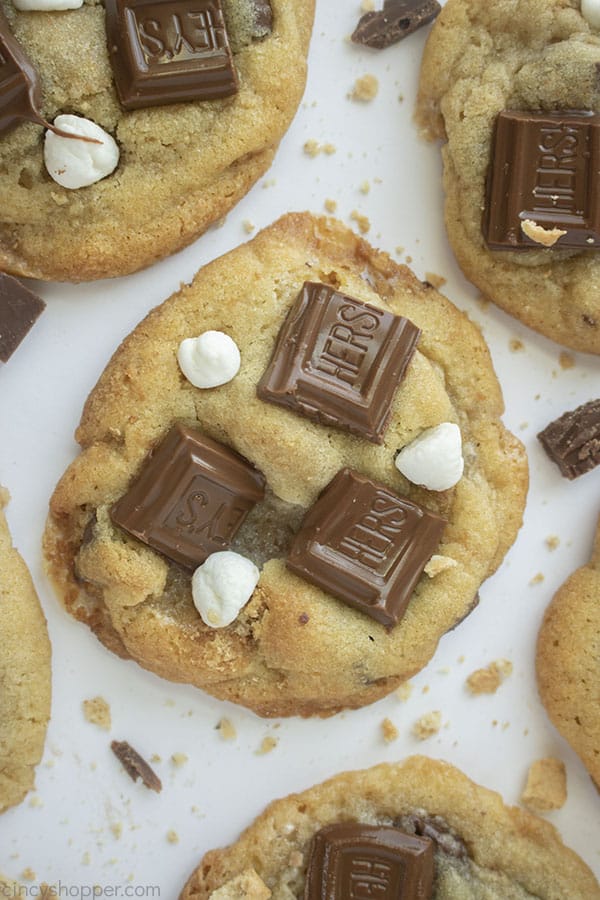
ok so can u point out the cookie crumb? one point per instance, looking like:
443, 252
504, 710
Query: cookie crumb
362, 221
552, 542
365, 187
404, 691
311, 147
97, 711
546, 786
179, 759
438, 564
227, 730
116, 829
428, 725
28, 874
367, 6
566, 361
267, 744
488, 680
365, 89
537, 579
172, 836
516, 345
399, 250
156, 758
389, 731
547, 237
86, 858
436, 281
330, 205
35, 801
248, 226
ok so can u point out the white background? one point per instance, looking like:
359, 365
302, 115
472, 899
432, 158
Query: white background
63, 830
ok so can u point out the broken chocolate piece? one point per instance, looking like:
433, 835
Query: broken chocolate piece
20, 94
262, 14
190, 498
19, 309
135, 765
544, 170
398, 18
365, 545
165, 51
573, 440
350, 860
339, 361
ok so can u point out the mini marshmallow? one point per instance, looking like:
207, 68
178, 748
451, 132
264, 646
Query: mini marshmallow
434, 459
222, 586
209, 360
47, 5
590, 10
76, 164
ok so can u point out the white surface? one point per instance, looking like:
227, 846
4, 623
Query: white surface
62, 831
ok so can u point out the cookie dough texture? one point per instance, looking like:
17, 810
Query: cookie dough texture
24, 673
182, 166
293, 649
568, 652
481, 58
485, 850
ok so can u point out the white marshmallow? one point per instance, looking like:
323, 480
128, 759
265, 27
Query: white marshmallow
76, 164
47, 5
222, 586
434, 459
590, 10
209, 360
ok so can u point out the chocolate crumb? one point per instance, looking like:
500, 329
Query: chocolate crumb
395, 21
573, 440
135, 766
19, 309
303, 618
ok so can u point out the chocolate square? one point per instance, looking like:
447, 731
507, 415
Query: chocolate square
545, 167
165, 51
190, 498
20, 93
19, 309
365, 545
573, 440
339, 361
350, 861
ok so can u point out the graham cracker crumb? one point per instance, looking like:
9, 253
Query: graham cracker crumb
516, 345
547, 237
365, 187
313, 148
546, 786
488, 680
537, 579
362, 221
329, 149
365, 89
156, 758
566, 361
28, 874
172, 837
428, 725
438, 564
248, 226
389, 731
552, 542
437, 281
179, 759
330, 205
97, 711
267, 744
227, 730
404, 691
408, 260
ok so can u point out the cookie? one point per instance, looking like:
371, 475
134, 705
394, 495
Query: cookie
531, 58
24, 673
567, 662
480, 847
122, 534
182, 165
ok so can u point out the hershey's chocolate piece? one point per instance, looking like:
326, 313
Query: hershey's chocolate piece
19, 309
339, 361
573, 440
398, 18
190, 497
544, 168
135, 765
165, 51
350, 861
365, 545
20, 94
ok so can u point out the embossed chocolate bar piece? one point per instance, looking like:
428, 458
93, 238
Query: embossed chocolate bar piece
190, 498
544, 169
350, 861
20, 95
573, 440
365, 545
339, 361
398, 18
19, 309
165, 51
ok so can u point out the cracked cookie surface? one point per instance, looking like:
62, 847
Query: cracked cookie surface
293, 649
482, 58
182, 166
483, 850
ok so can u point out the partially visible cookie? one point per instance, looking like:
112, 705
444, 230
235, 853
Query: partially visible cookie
297, 647
24, 673
480, 60
481, 848
568, 651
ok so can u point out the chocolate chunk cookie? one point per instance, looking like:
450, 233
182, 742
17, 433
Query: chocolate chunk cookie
171, 474
455, 839
512, 88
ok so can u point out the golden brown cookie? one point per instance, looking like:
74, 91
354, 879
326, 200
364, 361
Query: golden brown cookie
482, 58
182, 165
482, 848
293, 649
24, 673
568, 651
